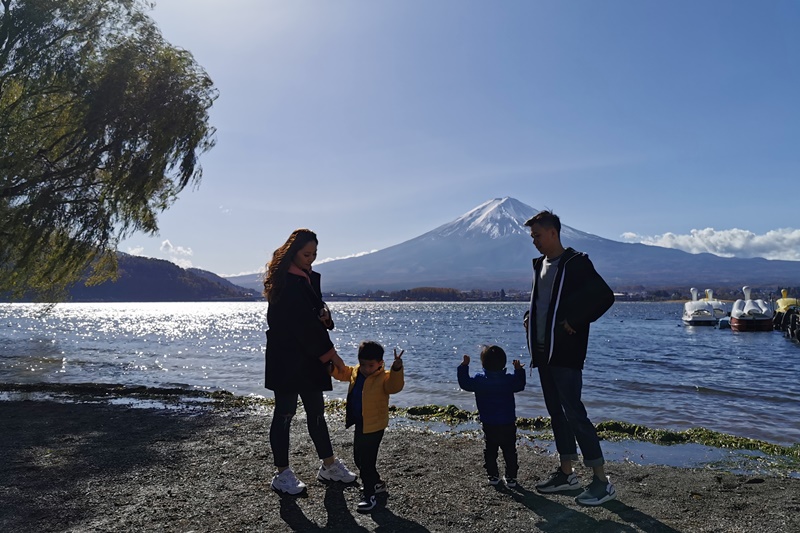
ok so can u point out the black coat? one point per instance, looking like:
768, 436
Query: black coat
580, 296
296, 338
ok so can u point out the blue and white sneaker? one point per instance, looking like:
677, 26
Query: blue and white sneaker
558, 482
598, 492
366, 504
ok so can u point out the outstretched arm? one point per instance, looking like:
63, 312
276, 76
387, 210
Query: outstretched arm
395, 380
519, 375
464, 381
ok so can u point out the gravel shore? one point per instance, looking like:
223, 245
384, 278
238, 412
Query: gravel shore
86, 467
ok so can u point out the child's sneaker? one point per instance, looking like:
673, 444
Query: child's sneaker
494, 480
559, 481
511, 482
599, 491
336, 472
380, 487
287, 483
366, 504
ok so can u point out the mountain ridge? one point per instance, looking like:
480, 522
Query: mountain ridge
145, 279
489, 248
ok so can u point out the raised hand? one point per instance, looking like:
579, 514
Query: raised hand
465, 361
398, 361
517, 364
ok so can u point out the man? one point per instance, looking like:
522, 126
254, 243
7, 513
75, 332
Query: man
567, 295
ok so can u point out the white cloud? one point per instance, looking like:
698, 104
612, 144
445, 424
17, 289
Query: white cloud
781, 243
139, 250
177, 254
328, 259
168, 248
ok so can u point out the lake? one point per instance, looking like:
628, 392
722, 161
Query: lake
643, 366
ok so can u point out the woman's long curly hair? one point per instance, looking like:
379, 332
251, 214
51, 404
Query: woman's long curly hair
275, 277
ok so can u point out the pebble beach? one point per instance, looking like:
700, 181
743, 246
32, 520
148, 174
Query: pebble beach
87, 466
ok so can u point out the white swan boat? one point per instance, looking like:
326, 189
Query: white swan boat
750, 315
703, 312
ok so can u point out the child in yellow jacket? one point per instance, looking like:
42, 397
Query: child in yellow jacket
368, 410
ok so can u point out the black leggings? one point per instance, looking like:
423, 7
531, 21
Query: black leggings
285, 409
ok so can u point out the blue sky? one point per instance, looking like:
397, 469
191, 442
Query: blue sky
673, 123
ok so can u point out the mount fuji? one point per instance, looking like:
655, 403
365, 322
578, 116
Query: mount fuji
489, 248
486, 248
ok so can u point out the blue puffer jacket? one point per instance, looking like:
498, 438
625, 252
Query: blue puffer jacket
494, 393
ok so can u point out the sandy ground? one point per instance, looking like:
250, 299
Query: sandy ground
97, 467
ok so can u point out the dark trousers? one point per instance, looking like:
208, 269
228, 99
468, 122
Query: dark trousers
279, 430
365, 455
561, 388
503, 437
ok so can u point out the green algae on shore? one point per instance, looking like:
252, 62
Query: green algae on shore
449, 414
613, 430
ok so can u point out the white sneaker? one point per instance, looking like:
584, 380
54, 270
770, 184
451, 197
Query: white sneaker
336, 472
287, 483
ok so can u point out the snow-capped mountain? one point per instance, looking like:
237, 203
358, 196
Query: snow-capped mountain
496, 218
483, 247
489, 248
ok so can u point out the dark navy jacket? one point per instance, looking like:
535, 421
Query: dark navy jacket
494, 393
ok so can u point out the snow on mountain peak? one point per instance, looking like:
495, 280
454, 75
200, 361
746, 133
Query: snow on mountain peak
495, 218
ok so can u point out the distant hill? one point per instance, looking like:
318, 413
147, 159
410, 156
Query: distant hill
210, 276
488, 248
253, 282
143, 279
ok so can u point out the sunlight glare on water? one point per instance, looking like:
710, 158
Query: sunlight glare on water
643, 365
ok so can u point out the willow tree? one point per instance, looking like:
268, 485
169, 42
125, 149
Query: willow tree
101, 125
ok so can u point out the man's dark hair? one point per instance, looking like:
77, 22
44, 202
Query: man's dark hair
547, 219
370, 351
493, 358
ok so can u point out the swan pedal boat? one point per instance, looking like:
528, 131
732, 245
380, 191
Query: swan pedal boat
703, 312
750, 315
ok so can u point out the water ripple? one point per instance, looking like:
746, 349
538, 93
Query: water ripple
643, 366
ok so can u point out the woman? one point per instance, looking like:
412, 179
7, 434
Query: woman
299, 356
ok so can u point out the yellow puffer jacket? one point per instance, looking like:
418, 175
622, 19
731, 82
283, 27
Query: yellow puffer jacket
375, 398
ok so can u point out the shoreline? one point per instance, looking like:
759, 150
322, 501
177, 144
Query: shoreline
699, 447
100, 466
782, 459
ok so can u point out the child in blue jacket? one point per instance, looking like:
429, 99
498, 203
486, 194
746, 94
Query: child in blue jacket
494, 394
